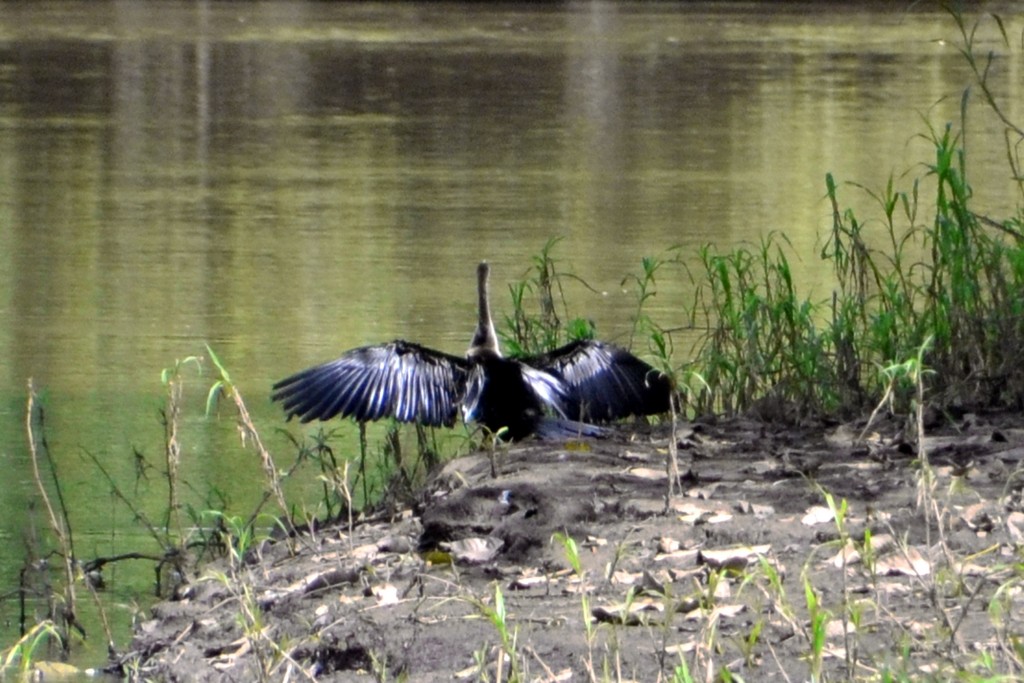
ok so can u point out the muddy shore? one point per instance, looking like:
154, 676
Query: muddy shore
714, 578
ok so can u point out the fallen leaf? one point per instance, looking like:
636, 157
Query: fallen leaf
744, 507
648, 473
628, 614
681, 648
817, 514
721, 611
667, 545
909, 563
851, 552
695, 519
468, 672
973, 569
527, 582
732, 558
678, 556
687, 574
686, 507
847, 555
576, 587
1015, 526
703, 492
365, 552
227, 660
474, 550
893, 588
729, 611
882, 543
386, 594
625, 578
758, 510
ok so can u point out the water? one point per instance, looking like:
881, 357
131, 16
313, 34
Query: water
288, 180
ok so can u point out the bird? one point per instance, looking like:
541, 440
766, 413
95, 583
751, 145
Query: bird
584, 381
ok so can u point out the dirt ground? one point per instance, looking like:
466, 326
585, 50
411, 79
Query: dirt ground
716, 580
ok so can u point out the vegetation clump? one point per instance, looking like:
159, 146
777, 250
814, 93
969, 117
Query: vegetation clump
939, 271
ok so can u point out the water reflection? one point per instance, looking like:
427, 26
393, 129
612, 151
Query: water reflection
287, 180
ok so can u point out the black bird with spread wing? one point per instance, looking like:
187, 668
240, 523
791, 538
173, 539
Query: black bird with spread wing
587, 381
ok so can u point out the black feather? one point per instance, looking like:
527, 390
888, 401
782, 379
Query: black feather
605, 382
406, 381
584, 380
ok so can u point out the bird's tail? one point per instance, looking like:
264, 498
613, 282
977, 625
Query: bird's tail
556, 428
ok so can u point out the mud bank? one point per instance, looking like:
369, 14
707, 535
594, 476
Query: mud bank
714, 579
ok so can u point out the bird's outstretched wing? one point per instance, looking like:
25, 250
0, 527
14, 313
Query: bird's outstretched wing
401, 380
605, 382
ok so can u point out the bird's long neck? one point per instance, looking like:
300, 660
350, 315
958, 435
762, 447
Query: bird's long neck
485, 341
